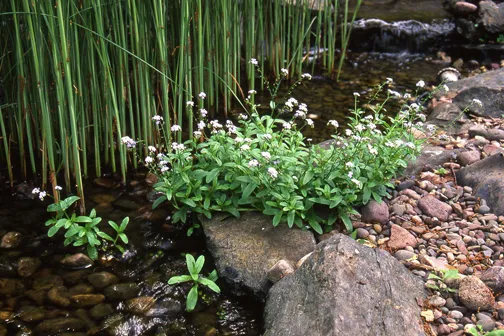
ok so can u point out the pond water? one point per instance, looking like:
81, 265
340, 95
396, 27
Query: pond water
43, 303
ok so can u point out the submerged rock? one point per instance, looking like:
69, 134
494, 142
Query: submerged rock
345, 288
245, 249
77, 261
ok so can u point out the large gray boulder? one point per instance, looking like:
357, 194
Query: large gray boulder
430, 157
491, 79
345, 288
492, 101
245, 249
486, 177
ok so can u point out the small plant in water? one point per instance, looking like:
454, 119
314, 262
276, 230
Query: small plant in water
195, 267
81, 230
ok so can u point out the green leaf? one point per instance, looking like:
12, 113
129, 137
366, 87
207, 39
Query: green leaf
62, 222
307, 177
92, 252
213, 276
210, 284
192, 298
434, 276
55, 207
189, 202
158, 201
104, 236
495, 333
114, 225
191, 266
92, 214
124, 238
52, 231
66, 203
315, 226
348, 223
290, 218
277, 218
212, 175
124, 224
83, 219
248, 190
199, 264
179, 279
335, 201
71, 232
366, 195
206, 204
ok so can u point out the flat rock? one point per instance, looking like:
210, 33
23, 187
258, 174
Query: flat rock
463, 7
11, 240
493, 277
488, 133
400, 238
486, 178
122, 291
430, 157
475, 295
27, 266
140, 305
375, 212
447, 116
76, 261
469, 157
345, 288
433, 207
245, 249
102, 279
492, 16
490, 79
87, 300
57, 325
492, 101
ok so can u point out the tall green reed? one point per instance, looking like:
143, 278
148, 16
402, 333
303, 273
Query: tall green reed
85, 73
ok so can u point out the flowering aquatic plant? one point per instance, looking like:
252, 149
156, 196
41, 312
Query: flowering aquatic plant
265, 164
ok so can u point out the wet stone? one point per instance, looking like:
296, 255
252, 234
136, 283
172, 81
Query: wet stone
100, 311
47, 282
77, 261
87, 300
57, 325
10, 287
75, 277
102, 279
11, 240
31, 313
59, 296
27, 266
121, 291
140, 305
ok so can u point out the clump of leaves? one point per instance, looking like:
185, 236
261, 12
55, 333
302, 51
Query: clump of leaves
478, 331
83, 230
441, 171
195, 267
441, 279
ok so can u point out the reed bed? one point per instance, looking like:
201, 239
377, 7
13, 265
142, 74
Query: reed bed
78, 75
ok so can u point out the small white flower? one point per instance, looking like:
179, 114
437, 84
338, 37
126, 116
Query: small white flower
303, 107
389, 80
197, 134
333, 123
414, 106
247, 140
446, 88
371, 126
151, 149
309, 139
176, 128
149, 159
348, 132
253, 61
273, 172
421, 116
372, 150
287, 125
130, 143
306, 76
266, 155
394, 94
163, 163
58, 188
243, 116
284, 72
202, 95
158, 119
201, 125
177, 147
477, 102
190, 103
36, 191
407, 96
164, 169
244, 147
203, 112
356, 94
420, 84
251, 92
238, 139
350, 174
160, 156
42, 195
357, 182
300, 114
309, 122
360, 127
410, 145
267, 136
253, 163
431, 128
349, 164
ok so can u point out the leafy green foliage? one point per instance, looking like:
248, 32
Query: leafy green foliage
265, 164
478, 331
195, 267
444, 276
83, 230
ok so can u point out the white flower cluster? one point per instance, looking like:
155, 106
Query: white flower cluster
231, 127
477, 102
420, 84
253, 163
272, 172
310, 123
306, 76
302, 111
201, 125
130, 143
190, 103
202, 95
291, 103
203, 113
333, 123
177, 147
176, 128
216, 126
284, 72
41, 194
253, 61
243, 116
158, 119
152, 149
